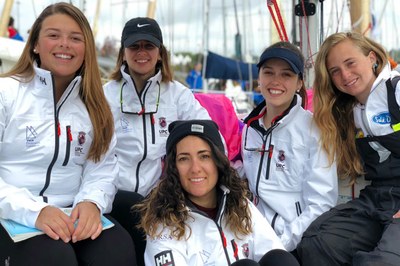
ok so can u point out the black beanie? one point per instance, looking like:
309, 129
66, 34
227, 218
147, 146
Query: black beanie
205, 129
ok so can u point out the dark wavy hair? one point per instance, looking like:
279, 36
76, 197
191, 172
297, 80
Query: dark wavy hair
166, 205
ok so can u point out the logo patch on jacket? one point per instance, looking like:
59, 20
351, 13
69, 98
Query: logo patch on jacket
163, 131
280, 165
382, 118
245, 250
81, 137
125, 125
162, 121
81, 141
164, 258
31, 135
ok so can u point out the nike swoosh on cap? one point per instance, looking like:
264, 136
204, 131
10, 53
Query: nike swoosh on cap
142, 25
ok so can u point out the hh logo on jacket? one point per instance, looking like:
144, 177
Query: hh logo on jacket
164, 258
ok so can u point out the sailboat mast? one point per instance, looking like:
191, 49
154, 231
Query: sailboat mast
360, 16
5, 17
206, 15
151, 8
96, 18
224, 27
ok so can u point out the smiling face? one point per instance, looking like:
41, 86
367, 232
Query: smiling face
198, 173
142, 58
61, 46
278, 84
350, 70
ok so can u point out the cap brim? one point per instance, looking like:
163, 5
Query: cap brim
141, 37
292, 66
290, 57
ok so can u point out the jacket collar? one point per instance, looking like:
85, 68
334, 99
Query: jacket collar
252, 120
145, 103
43, 84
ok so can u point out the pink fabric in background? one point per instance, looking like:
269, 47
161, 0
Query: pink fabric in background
310, 94
223, 113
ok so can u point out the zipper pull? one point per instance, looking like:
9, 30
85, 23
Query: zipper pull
270, 150
69, 134
141, 111
235, 249
58, 129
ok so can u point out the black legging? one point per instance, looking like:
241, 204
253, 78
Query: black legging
112, 247
123, 202
275, 257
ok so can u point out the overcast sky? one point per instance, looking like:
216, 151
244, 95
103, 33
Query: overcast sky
182, 21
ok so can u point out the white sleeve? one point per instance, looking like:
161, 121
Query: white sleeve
165, 250
99, 180
264, 237
16, 204
189, 107
319, 192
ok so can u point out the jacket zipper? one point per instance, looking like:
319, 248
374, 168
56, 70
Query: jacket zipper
57, 130
269, 158
144, 153
143, 113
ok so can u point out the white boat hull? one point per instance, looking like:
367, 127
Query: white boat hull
10, 51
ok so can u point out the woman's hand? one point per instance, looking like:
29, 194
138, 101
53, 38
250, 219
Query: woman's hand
397, 214
86, 217
55, 223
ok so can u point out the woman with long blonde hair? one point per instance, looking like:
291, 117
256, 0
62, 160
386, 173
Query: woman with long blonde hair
356, 105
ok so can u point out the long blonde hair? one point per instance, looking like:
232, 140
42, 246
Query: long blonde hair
91, 91
333, 109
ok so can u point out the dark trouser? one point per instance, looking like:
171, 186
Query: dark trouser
112, 247
275, 257
122, 212
359, 232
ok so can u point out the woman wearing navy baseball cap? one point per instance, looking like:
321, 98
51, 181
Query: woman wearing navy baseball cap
288, 172
144, 100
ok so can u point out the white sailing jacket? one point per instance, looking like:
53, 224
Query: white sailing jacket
141, 125
43, 151
210, 242
373, 118
293, 183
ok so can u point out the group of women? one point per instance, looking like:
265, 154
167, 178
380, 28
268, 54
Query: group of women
142, 151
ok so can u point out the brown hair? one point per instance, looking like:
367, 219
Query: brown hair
91, 91
163, 64
296, 50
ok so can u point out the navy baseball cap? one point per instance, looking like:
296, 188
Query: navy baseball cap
141, 28
293, 59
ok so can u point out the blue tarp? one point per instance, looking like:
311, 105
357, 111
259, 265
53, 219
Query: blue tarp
220, 67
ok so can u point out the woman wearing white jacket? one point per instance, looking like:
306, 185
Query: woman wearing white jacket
199, 214
288, 172
144, 100
57, 149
